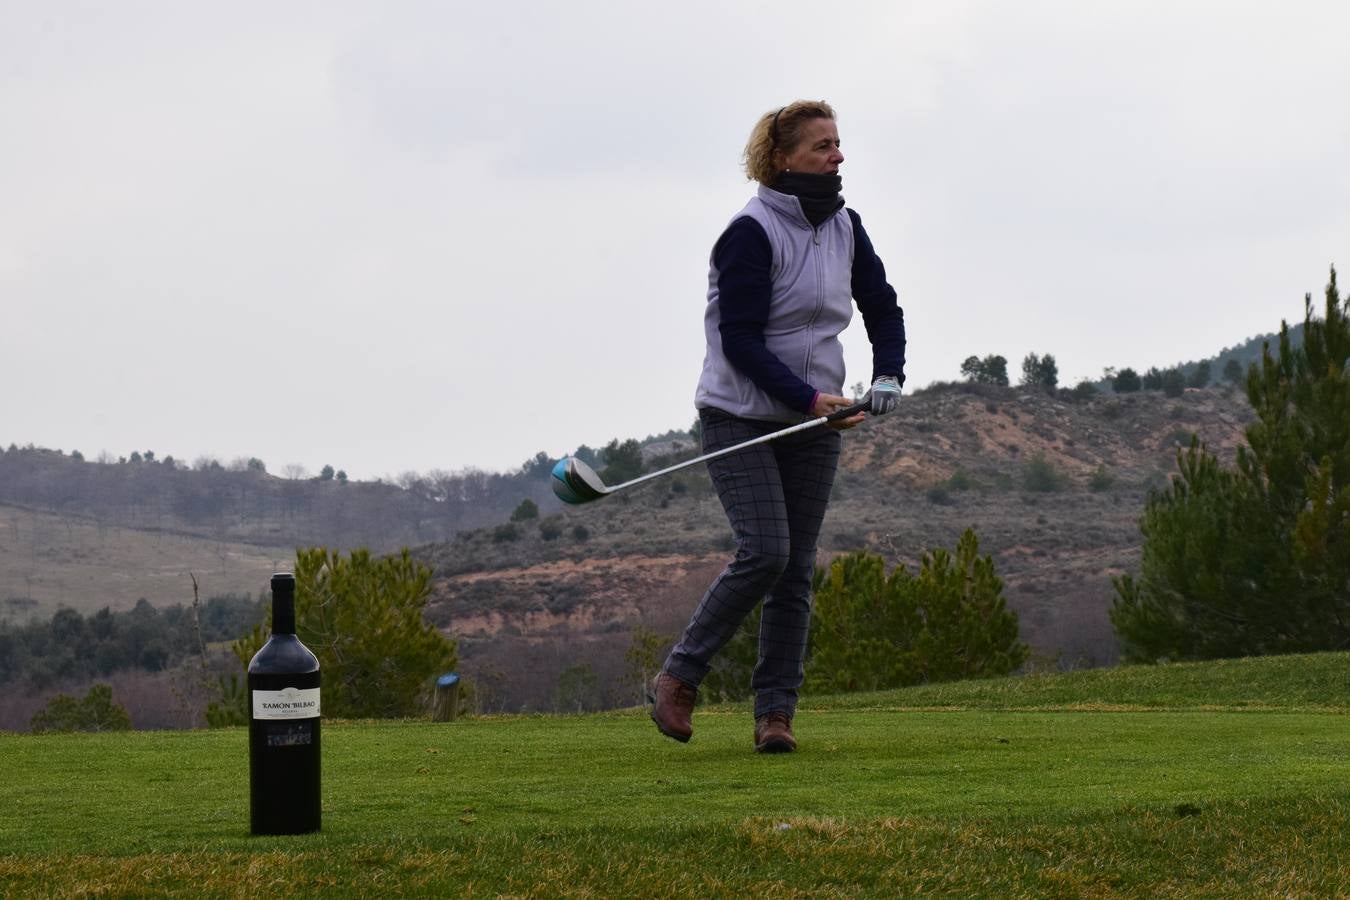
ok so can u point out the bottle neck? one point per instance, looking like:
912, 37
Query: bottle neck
283, 612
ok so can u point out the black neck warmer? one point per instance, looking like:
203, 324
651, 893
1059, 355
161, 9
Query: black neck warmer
819, 194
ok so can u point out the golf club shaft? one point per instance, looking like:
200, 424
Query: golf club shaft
835, 416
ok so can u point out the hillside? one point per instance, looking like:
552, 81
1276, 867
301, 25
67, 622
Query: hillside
48, 561
87, 534
1053, 486
251, 506
525, 607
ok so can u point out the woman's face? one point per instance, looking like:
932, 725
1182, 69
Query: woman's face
818, 151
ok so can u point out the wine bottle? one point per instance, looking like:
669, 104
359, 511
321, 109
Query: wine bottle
283, 726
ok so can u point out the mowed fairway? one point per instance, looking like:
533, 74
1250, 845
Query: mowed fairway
1226, 779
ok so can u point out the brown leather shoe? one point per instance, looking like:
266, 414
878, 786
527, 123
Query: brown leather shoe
773, 733
672, 706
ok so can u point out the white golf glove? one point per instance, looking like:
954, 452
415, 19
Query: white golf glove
885, 394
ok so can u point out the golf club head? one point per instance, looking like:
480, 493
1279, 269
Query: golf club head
575, 482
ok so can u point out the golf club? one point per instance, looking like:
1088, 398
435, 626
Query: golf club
575, 482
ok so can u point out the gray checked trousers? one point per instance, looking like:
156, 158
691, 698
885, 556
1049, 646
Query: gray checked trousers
775, 495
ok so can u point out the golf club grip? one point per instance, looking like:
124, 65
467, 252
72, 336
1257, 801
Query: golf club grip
863, 405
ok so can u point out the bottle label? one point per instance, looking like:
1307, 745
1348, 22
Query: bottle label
287, 703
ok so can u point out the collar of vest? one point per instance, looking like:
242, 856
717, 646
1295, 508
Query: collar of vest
787, 206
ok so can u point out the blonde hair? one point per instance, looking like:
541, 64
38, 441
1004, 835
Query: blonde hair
779, 129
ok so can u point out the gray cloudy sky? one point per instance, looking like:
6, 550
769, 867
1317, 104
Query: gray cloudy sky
415, 236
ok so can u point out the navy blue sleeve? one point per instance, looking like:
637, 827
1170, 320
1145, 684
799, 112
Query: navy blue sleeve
744, 260
876, 299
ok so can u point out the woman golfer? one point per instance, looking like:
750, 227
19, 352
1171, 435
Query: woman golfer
784, 277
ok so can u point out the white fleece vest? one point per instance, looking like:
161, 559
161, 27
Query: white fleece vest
811, 303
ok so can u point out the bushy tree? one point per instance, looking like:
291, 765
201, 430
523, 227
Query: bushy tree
646, 651
95, 711
1101, 479
1173, 383
1256, 559
1126, 381
1084, 390
949, 621
362, 617
1040, 475
623, 461
1200, 375
864, 628
1040, 372
527, 509
1233, 372
871, 631
73, 647
992, 369
589, 455
1152, 380
537, 466
578, 689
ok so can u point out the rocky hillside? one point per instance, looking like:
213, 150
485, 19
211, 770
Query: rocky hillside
1053, 487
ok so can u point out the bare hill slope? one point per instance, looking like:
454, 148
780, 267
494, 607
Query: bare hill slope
48, 561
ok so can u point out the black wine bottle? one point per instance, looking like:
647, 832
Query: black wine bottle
283, 726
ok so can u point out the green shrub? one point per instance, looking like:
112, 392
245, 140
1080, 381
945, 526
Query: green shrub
95, 711
1255, 559
363, 617
960, 481
949, 621
1041, 476
938, 495
1101, 480
1126, 381
527, 509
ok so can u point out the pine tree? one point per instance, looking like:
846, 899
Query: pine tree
1040, 371
993, 369
95, 711
1126, 381
623, 461
949, 621
363, 619
1256, 559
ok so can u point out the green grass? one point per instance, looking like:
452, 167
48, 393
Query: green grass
1222, 779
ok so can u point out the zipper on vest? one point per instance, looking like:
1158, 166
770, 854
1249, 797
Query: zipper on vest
815, 313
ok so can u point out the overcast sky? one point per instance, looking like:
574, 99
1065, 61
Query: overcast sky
401, 237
